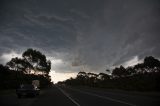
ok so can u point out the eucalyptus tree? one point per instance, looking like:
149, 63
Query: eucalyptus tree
37, 60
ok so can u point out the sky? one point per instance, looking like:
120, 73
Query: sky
81, 35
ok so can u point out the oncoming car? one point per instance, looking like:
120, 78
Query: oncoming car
27, 90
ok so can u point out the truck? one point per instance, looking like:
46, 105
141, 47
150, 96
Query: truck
36, 83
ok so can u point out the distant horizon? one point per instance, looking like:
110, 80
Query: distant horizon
60, 76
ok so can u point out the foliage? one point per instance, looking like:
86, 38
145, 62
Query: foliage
37, 60
141, 77
18, 70
19, 64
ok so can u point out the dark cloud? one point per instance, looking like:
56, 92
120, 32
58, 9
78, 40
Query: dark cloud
78, 33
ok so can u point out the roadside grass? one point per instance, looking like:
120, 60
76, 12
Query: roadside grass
7, 92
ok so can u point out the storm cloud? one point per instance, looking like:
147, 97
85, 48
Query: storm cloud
95, 34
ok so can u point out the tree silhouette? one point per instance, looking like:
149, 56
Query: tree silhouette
151, 62
18, 70
37, 60
103, 76
19, 64
120, 72
92, 78
82, 78
131, 71
141, 77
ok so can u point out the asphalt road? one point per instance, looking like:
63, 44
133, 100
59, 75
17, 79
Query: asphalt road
69, 96
97, 97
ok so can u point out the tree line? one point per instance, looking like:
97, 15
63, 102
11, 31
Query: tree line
33, 65
141, 77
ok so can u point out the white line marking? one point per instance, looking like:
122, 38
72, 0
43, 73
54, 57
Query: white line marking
68, 96
103, 97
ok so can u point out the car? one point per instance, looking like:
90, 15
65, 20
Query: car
27, 90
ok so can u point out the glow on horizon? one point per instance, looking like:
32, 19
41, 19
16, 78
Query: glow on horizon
55, 77
63, 70
135, 60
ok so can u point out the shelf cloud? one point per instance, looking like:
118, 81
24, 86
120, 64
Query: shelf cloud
74, 34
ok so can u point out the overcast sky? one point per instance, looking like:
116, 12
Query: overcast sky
81, 34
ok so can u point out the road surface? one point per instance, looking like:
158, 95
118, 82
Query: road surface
69, 96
